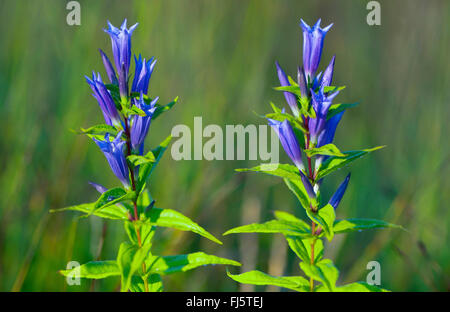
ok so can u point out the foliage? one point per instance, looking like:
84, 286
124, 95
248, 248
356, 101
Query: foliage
315, 119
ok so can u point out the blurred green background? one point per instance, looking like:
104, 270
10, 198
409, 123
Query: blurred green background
218, 56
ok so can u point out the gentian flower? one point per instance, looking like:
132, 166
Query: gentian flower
100, 188
321, 103
313, 38
143, 72
104, 99
308, 187
113, 151
291, 99
302, 82
288, 141
328, 74
139, 128
109, 68
337, 196
327, 136
121, 46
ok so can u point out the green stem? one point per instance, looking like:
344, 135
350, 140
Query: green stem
133, 187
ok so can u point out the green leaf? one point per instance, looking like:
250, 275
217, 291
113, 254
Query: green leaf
335, 162
302, 248
333, 89
324, 271
279, 170
297, 283
327, 149
273, 226
352, 225
129, 260
153, 280
161, 109
291, 89
115, 212
137, 160
275, 108
360, 287
337, 108
147, 231
292, 120
325, 217
94, 270
183, 263
112, 197
98, 131
285, 216
173, 219
146, 169
297, 187
306, 108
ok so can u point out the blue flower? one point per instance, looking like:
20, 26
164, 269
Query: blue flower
141, 124
109, 68
288, 141
337, 196
327, 136
104, 99
308, 186
113, 151
328, 74
143, 72
121, 47
290, 98
313, 38
321, 102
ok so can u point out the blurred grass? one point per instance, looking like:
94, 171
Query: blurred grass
218, 56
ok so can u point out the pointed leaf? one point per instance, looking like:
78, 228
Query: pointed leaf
273, 226
146, 169
173, 219
328, 149
183, 263
323, 271
324, 217
352, 225
297, 283
95, 269
360, 287
335, 162
129, 260
279, 170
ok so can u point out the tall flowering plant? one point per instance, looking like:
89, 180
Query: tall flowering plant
307, 138
128, 113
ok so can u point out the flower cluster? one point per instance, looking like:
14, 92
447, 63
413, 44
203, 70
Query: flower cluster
316, 92
129, 111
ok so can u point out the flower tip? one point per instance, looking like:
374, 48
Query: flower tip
326, 29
